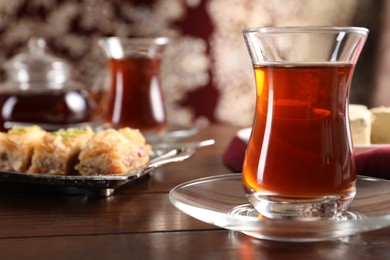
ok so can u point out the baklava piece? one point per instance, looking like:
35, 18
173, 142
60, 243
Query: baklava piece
57, 153
114, 152
380, 127
17, 146
360, 122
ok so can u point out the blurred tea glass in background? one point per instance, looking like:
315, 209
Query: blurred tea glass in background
135, 97
299, 162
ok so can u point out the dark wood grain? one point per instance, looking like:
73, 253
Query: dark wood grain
208, 244
139, 222
76, 215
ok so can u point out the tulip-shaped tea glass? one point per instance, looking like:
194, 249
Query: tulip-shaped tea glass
299, 163
135, 96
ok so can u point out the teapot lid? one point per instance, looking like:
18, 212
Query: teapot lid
36, 65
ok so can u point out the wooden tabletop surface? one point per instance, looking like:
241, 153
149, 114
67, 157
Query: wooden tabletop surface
139, 222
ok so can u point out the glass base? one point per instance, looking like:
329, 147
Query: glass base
278, 207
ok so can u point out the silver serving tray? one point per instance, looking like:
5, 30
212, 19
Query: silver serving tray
104, 185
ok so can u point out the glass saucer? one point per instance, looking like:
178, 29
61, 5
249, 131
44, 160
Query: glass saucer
220, 200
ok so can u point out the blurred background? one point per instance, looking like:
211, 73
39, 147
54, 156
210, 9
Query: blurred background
206, 72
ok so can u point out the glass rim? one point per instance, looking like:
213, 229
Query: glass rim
306, 29
159, 40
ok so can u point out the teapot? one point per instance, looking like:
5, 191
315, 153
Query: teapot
40, 90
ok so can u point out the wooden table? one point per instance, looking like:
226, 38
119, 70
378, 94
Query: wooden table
139, 222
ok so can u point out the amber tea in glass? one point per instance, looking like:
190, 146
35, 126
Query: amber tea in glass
299, 162
135, 97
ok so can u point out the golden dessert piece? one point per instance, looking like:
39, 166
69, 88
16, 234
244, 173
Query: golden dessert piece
380, 126
17, 146
113, 152
360, 122
57, 153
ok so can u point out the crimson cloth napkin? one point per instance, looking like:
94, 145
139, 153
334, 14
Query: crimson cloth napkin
374, 162
233, 157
